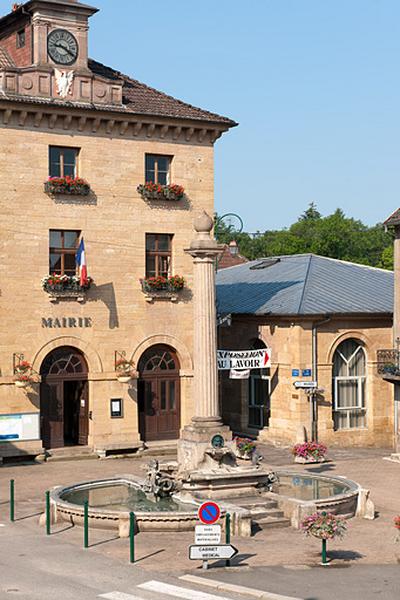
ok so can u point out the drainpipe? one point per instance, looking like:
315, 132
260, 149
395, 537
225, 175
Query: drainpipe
314, 396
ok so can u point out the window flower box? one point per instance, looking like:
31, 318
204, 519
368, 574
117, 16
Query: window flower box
309, 452
67, 185
156, 191
65, 286
162, 287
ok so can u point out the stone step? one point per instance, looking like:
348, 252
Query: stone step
70, 453
269, 504
258, 514
272, 522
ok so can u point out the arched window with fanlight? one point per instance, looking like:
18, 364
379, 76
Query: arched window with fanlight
349, 385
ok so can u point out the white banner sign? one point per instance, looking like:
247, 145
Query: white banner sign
243, 359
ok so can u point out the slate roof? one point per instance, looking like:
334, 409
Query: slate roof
304, 284
142, 99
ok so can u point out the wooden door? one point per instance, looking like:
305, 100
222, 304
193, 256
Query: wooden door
83, 414
52, 414
159, 395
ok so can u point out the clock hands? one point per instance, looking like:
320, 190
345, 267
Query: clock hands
64, 48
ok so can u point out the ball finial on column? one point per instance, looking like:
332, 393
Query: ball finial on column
203, 223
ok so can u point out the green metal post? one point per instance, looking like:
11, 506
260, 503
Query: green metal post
228, 534
324, 561
12, 500
86, 524
132, 536
48, 522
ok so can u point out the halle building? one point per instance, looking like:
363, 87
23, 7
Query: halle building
63, 115
324, 321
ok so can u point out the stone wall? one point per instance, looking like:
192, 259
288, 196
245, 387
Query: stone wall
113, 220
291, 344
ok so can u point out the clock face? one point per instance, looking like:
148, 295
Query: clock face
62, 47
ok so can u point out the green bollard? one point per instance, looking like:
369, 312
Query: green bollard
48, 521
228, 534
324, 561
86, 524
132, 536
12, 500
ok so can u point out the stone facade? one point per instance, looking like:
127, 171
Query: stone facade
114, 315
291, 345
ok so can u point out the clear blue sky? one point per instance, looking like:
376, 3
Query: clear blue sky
314, 85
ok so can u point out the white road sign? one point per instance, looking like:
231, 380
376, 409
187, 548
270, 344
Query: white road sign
305, 384
225, 551
207, 534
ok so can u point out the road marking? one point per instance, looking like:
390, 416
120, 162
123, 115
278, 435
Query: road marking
178, 592
120, 596
235, 589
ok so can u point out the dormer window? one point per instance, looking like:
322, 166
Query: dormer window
21, 38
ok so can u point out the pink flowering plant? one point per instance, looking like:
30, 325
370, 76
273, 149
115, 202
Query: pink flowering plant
310, 450
323, 525
396, 522
124, 366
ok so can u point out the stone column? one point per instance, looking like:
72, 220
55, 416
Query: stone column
396, 332
206, 421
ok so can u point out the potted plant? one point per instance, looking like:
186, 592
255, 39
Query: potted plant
244, 447
22, 372
124, 369
309, 452
157, 191
67, 185
324, 526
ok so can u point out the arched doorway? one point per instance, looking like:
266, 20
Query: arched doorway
64, 399
159, 394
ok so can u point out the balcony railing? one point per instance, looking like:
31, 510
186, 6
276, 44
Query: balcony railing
388, 362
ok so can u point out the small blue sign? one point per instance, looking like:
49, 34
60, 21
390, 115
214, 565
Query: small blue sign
306, 373
295, 372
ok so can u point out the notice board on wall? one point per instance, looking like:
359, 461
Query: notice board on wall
19, 427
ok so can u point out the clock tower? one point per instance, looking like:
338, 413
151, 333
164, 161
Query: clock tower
60, 33
47, 41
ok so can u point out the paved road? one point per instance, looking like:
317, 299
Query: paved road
363, 582
36, 567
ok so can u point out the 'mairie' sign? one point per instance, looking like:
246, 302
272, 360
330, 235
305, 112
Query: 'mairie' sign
66, 323
244, 359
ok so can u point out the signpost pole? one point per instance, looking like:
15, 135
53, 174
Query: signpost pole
228, 534
132, 536
86, 524
48, 531
12, 500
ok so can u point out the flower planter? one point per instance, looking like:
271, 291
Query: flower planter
124, 378
154, 191
309, 459
69, 186
244, 455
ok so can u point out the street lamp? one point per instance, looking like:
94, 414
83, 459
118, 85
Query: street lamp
234, 225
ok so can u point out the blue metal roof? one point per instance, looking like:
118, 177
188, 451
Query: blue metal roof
304, 284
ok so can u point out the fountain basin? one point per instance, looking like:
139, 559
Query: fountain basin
300, 494
111, 501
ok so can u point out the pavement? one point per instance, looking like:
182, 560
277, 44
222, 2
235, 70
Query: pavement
280, 561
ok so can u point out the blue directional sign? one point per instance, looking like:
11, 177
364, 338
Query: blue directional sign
209, 513
295, 372
306, 373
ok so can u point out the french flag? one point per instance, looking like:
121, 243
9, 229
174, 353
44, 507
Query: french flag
81, 262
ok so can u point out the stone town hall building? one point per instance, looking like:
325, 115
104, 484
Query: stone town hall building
65, 115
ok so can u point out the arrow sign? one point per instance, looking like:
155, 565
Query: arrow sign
225, 551
305, 384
